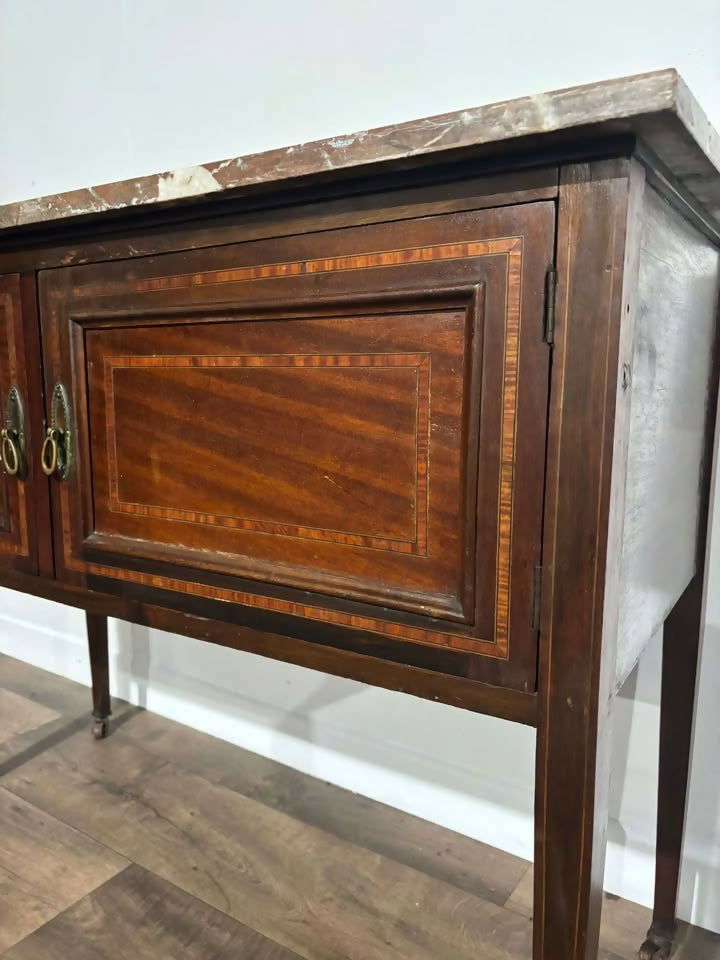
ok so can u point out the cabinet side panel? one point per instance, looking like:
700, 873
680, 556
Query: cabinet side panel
671, 373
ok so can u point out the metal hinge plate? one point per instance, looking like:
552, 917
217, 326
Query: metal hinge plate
549, 317
536, 595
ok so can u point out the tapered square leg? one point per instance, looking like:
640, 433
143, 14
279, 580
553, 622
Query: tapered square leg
579, 621
681, 644
97, 632
571, 835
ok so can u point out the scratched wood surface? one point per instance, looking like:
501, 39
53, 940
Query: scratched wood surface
193, 846
45, 867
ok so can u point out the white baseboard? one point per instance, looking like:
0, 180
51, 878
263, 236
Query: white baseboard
468, 773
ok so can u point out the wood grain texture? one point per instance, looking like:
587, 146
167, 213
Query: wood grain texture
575, 657
681, 647
20, 715
97, 634
291, 882
138, 916
622, 927
450, 857
49, 693
136, 913
401, 675
449, 186
371, 260
398, 526
283, 456
18, 543
673, 347
336, 440
44, 867
386, 199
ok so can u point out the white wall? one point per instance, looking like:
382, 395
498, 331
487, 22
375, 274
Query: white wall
98, 90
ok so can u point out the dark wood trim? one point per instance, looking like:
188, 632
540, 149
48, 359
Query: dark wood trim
20, 353
40, 500
573, 728
447, 191
97, 631
455, 663
659, 177
524, 157
470, 695
525, 239
681, 643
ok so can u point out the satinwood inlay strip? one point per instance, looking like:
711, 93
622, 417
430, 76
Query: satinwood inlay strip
509, 247
419, 362
277, 271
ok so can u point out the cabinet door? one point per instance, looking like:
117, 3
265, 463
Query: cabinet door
19, 484
338, 435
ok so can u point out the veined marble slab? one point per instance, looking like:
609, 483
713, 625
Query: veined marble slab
657, 107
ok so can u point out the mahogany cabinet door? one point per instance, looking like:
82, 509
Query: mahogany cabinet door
19, 485
337, 435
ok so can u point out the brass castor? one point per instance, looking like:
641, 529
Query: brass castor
655, 948
100, 728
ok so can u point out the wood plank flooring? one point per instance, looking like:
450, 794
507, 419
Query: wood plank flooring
163, 842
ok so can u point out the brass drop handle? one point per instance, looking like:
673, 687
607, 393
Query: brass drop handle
10, 455
57, 449
12, 444
49, 453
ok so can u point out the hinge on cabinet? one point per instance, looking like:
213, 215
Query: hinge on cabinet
536, 591
549, 317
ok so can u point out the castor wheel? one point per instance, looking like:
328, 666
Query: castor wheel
100, 728
655, 948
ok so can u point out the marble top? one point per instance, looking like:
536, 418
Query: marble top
656, 107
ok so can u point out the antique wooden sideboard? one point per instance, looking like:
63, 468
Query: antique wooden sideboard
430, 406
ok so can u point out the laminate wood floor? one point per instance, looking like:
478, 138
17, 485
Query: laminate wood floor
162, 842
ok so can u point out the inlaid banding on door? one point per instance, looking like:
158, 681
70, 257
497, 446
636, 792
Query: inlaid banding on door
510, 248
418, 363
508, 435
402, 257
308, 611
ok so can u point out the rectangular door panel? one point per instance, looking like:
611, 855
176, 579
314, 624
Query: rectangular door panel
296, 450
326, 427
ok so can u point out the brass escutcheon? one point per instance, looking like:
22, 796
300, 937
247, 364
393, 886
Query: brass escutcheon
57, 449
12, 446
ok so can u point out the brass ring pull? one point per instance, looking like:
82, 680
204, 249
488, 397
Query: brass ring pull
12, 443
58, 446
49, 466
10, 455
